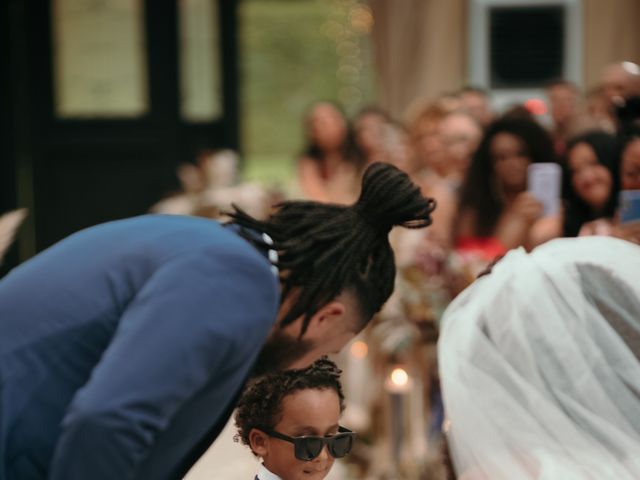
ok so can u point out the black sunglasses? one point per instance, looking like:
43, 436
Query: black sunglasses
309, 447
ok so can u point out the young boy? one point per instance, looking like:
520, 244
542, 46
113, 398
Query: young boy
290, 420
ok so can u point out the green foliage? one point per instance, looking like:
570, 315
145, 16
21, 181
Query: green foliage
287, 62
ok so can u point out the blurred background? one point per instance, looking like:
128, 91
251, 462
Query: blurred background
116, 108
103, 99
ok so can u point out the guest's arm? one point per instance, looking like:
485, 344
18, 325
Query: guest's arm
516, 221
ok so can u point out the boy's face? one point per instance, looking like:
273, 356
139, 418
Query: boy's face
304, 412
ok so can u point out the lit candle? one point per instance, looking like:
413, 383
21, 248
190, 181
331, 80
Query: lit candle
357, 384
398, 384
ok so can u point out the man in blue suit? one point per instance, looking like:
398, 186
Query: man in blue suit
124, 347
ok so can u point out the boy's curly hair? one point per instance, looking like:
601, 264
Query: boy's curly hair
261, 403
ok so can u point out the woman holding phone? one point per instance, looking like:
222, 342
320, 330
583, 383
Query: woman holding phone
497, 212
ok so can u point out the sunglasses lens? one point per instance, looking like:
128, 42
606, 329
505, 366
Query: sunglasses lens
308, 448
341, 445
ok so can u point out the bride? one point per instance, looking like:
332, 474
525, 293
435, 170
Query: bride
540, 365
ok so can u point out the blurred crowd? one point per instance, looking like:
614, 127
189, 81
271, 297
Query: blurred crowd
475, 163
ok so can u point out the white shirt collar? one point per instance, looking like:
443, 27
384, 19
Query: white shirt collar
264, 474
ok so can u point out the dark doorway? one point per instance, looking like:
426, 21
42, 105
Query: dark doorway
76, 153
526, 45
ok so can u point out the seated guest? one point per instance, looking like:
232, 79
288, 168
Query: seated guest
476, 102
330, 166
424, 123
496, 212
369, 127
431, 163
290, 419
567, 114
592, 184
399, 149
540, 365
460, 135
630, 161
629, 179
619, 81
597, 110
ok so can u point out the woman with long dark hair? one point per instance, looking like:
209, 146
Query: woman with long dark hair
330, 166
592, 181
496, 213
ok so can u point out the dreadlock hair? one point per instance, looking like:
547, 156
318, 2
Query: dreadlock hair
325, 249
261, 403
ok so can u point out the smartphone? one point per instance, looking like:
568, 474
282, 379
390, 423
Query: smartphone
629, 206
544, 182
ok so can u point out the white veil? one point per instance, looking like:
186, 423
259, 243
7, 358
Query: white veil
540, 365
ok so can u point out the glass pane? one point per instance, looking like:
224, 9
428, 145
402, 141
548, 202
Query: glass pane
200, 84
99, 58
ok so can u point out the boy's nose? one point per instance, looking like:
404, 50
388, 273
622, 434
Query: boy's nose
324, 453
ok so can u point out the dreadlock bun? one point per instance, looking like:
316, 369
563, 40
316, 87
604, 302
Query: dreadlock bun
389, 198
325, 249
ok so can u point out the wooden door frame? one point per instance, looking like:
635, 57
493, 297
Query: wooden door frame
30, 127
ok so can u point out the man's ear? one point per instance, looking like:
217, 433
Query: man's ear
324, 320
259, 442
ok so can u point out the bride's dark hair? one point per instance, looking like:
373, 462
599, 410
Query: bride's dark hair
326, 249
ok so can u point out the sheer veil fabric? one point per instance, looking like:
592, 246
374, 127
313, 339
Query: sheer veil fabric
540, 365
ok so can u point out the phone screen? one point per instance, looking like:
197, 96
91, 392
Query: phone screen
544, 183
629, 206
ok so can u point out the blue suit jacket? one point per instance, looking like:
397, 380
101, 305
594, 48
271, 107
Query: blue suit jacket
123, 348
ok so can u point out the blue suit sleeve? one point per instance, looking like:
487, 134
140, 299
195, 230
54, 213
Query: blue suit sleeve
195, 316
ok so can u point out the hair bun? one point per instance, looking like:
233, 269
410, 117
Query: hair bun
389, 198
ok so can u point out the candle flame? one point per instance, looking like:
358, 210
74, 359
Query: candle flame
399, 377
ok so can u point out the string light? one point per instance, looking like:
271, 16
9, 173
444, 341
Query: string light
361, 18
349, 22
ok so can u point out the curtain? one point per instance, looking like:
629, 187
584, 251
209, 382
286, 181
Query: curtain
419, 49
611, 33
420, 46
